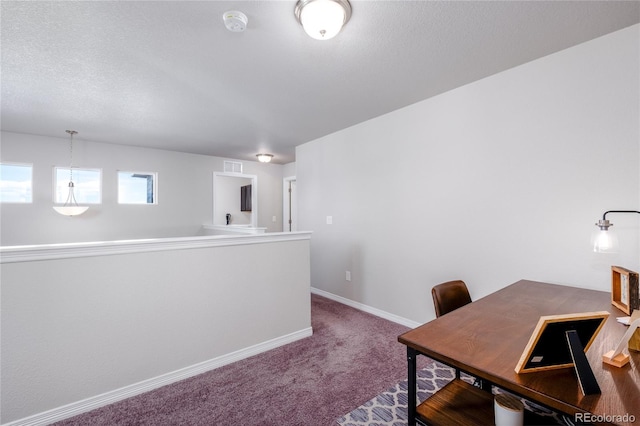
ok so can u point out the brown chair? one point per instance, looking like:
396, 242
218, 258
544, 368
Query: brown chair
450, 296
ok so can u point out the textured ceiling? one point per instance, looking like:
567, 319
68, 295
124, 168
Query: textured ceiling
169, 75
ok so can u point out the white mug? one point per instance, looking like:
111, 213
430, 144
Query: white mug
509, 410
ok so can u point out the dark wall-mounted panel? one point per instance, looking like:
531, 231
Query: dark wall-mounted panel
245, 198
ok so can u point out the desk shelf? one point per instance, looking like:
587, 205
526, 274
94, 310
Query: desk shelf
457, 403
462, 404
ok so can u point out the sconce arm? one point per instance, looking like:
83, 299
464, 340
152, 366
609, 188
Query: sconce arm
604, 224
604, 216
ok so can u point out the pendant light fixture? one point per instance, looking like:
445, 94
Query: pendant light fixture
71, 207
322, 19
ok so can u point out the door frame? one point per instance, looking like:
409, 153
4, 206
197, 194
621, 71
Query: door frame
286, 203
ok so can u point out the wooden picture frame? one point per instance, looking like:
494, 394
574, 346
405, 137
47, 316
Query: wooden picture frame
624, 289
548, 348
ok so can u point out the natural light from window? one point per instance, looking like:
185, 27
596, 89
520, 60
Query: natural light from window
137, 188
16, 183
87, 185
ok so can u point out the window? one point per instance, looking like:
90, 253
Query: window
87, 185
16, 183
137, 188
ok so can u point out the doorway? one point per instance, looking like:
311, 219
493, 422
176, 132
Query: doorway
227, 199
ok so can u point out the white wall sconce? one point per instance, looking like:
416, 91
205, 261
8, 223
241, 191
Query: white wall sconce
604, 240
322, 19
71, 207
264, 158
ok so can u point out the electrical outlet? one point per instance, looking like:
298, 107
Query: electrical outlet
329, 220
347, 275
273, 219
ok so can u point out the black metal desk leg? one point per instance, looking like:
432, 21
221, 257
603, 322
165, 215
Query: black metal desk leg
411, 386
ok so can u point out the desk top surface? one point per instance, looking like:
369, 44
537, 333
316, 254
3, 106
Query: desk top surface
487, 337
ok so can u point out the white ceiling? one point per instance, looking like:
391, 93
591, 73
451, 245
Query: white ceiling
169, 75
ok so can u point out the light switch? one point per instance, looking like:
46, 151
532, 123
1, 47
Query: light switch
329, 220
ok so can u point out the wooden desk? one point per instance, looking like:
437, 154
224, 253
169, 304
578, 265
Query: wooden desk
487, 337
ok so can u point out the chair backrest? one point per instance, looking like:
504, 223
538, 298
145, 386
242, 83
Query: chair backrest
450, 296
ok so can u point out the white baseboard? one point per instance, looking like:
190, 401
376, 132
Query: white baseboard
369, 309
110, 397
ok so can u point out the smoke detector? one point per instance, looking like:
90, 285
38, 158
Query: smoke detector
235, 21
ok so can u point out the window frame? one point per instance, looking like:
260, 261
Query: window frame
13, 163
155, 188
75, 168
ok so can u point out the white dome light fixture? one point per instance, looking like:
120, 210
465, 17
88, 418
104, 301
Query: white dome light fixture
235, 21
322, 19
264, 158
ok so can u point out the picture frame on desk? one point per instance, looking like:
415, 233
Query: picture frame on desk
548, 348
624, 289
560, 341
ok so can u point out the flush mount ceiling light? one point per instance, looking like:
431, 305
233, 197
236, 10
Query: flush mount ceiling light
235, 21
322, 19
71, 207
264, 158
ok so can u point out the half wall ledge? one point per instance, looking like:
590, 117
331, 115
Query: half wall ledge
28, 253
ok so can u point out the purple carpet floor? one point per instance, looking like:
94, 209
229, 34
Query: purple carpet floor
351, 357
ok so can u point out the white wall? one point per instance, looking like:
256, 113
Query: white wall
496, 181
91, 324
289, 170
185, 191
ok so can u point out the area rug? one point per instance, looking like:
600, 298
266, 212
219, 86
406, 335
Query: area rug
390, 407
